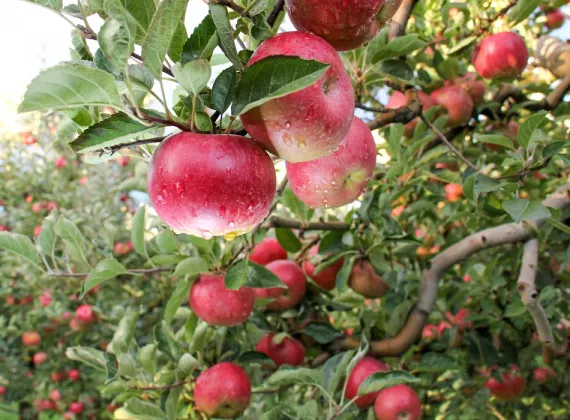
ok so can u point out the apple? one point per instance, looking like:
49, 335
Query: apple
2, 390
364, 280
459, 319
83, 181
500, 55
510, 388
326, 278
338, 179
474, 87
266, 251
293, 277
453, 192
362, 370
55, 395
4, 228
398, 100
467, 278
288, 351
76, 407
218, 305
456, 101
211, 185
57, 376
430, 331
37, 230
84, 314
26, 299
397, 211
310, 123
123, 248
40, 358
398, 403
60, 162
555, 19
46, 298
122, 160
123, 197
51, 205
37, 207
31, 338
74, 375
345, 24
29, 138
222, 391
544, 375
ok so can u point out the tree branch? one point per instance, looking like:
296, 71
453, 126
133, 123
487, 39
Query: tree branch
272, 18
275, 221
400, 19
118, 147
232, 5
162, 388
163, 121
404, 114
371, 108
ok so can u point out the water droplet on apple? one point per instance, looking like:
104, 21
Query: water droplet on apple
231, 225
160, 199
206, 234
206, 202
179, 187
222, 211
287, 139
287, 125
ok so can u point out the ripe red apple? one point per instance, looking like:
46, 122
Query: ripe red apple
57, 376
37, 230
55, 395
218, 305
544, 375
74, 375
361, 371
453, 192
555, 19
83, 180
500, 55
38, 207
456, 101
76, 407
312, 122
326, 278
345, 24
365, 281
26, 299
338, 179
474, 87
430, 331
206, 185
266, 251
510, 388
29, 138
31, 338
4, 228
40, 357
398, 100
291, 274
46, 298
122, 160
222, 391
398, 403
84, 313
459, 319
289, 351
123, 248
2, 390
51, 205
60, 162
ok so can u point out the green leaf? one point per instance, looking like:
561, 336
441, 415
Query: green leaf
117, 129
181, 292
397, 69
167, 242
287, 375
395, 139
202, 42
223, 90
177, 43
127, 366
334, 369
321, 333
166, 342
248, 274
514, 309
522, 10
344, 274
381, 380
360, 354
495, 139
161, 32
522, 209
274, 77
142, 12
399, 47
186, 365
484, 184
46, 240
528, 128
559, 225
193, 76
117, 35
255, 357
70, 85
147, 358
141, 410
292, 202
104, 270
137, 231
288, 240
124, 334
172, 403
66, 230
52, 4
89, 356
191, 267
436, 362
225, 32
461, 45
257, 6
20, 245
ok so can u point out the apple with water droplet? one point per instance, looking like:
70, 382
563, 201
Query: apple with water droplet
31, 338
288, 351
293, 277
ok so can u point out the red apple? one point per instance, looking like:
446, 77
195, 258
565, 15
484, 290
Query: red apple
60, 162
123, 248
500, 55
31, 338
291, 274
398, 100
467, 278
29, 138
453, 192
218, 305
74, 375
123, 197
207, 185
474, 87
122, 160
55, 395
76, 407
345, 24
222, 391
26, 299
40, 358
456, 101
326, 278
37, 207
37, 230
288, 352
510, 388
46, 298
2, 390
365, 281
338, 179
555, 19
361, 371
430, 331
398, 403
4, 228
84, 313
57, 376
51, 205
266, 251
397, 211
312, 122
459, 319
83, 181
544, 375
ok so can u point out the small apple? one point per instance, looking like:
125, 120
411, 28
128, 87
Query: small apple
310, 123
397, 211
76, 407
26, 299
28, 138
326, 278
31, 338
365, 281
2, 390
338, 179
60, 162
456, 101
459, 319
37, 230
398, 403
4, 228
362, 370
293, 277
38, 207
84, 313
430, 331
398, 100
288, 351
474, 87
266, 251
74, 375
40, 358
51, 205
211, 185
55, 395
83, 180
500, 55
223, 391
46, 298
122, 160
544, 375
555, 19
57, 376
510, 388
123, 248
453, 192
218, 305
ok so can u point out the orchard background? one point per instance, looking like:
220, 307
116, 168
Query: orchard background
464, 220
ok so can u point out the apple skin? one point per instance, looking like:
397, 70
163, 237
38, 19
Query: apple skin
218, 305
456, 101
555, 19
361, 371
4, 228
326, 278
123, 248
338, 179
74, 375
267, 251
223, 391
55, 395
397, 403
31, 338
40, 358
364, 281
2, 390
60, 162
453, 192
544, 375
211, 185
291, 274
398, 100
345, 24
289, 352
474, 87
510, 388
76, 407
312, 122
84, 314
500, 55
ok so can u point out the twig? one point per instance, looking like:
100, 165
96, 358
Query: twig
275, 221
130, 271
162, 388
371, 108
118, 147
525, 172
496, 412
275, 12
306, 247
232, 5
404, 114
165, 121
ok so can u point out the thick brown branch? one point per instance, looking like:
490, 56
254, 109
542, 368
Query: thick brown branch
272, 18
400, 19
403, 115
131, 271
553, 54
275, 221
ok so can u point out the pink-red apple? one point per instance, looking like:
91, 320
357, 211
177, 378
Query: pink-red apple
338, 179
555, 19
293, 277
123, 248
266, 251
223, 391
37, 230
55, 395
122, 160
310, 123
57, 376
4, 228
76, 407
40, 358
398, 402
288, 351
326, 278
218, 305
398, 100
60, 162
456, 101
361, 371
211, 185
474, 87
74, 375
453, 192
544, 375
500, 55
365, 281
2, 390
510, 388
31, 338
84, 313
